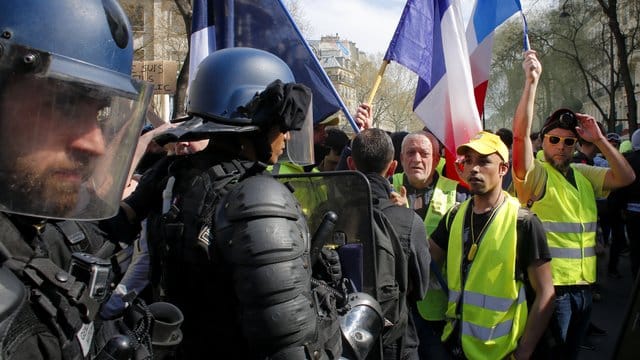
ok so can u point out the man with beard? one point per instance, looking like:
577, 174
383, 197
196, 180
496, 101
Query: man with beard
70, 117
498, 271
563, 195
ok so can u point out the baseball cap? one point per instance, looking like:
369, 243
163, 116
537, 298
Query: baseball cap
485, 143
561, 118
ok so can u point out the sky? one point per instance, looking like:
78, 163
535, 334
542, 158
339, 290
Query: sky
368, 23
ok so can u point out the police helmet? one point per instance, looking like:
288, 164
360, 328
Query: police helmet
65, 73
229, 78
232, 92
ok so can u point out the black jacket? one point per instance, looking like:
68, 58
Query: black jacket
416, 250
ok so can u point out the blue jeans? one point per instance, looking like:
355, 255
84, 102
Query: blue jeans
571, 318
429, 333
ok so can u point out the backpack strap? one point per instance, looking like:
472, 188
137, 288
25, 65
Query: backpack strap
76, 239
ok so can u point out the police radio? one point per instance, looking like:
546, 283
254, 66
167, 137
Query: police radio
94, 272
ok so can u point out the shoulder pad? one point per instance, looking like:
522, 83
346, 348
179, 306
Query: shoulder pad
13, 293
261, 196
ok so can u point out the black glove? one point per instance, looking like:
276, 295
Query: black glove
148, 193
328, 267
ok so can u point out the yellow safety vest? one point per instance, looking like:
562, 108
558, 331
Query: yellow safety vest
434, 304
287, 167
569, 217
309, 197
493, 303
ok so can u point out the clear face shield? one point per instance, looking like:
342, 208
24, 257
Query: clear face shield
299, 147
68, 131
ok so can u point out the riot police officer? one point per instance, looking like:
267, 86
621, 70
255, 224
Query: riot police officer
230, 245
70, 115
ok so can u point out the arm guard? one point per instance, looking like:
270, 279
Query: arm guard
263, 236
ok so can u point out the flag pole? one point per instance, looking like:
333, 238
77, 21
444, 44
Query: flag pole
229, 39
376, 84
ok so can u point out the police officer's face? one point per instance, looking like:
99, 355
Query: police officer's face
483, 173
278, 140
189, 147
57, 141
418, 160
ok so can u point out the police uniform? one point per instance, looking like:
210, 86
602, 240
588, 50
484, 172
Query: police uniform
71, 115
231, 243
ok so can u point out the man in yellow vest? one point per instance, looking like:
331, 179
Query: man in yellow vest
498, 264
430, 195
563, 196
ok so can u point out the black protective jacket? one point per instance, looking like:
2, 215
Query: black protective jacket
232, 252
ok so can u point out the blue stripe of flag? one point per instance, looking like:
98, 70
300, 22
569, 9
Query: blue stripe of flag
489, 14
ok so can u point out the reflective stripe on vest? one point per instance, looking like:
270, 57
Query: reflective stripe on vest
569, 217
501, 329
559, 227
492, 308
572, 253
494, 303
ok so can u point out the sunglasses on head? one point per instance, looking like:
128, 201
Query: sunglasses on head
569, 141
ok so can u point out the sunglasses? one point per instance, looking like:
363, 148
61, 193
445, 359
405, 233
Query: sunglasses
569, 141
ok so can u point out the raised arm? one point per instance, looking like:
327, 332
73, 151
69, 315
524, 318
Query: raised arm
522, 150
620, 172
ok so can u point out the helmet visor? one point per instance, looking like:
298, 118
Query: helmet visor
299, 148
67, 143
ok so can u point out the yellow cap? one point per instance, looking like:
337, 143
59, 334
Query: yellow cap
485, 143
331, 120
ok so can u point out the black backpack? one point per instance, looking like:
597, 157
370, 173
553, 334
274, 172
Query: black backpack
392, 270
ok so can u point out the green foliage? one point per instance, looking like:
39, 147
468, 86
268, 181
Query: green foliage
580, 58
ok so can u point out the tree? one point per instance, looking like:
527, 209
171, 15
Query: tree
591, 37
626, 43
393, 102
580, 58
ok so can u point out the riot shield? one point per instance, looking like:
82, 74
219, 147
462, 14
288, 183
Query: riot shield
348, 194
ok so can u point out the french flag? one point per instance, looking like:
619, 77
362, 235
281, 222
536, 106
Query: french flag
203, 33
487, 15
431, 40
